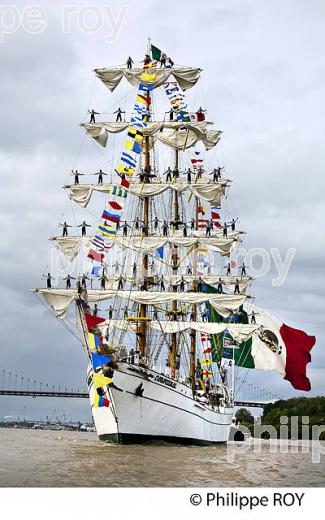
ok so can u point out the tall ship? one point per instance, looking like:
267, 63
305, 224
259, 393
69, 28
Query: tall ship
161, 303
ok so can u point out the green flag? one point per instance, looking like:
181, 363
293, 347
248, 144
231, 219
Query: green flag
242, 352
155, 53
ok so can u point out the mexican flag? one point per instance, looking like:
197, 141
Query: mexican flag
155, 53
276, 346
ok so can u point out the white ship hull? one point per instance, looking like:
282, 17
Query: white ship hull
165, 411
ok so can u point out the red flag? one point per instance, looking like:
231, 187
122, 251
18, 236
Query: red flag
98, 257
125, 183
115, 205
92, 321
233, 263
298, 346
217, 225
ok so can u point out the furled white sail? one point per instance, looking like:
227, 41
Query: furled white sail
60, 299
152, 128
189, 133
186, 77
240, 332
209, 191
70, 246
148, 245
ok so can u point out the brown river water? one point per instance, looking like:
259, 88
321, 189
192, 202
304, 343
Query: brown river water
74, 459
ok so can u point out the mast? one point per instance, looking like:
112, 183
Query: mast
175, 267
233, 375
194, 309
142, 329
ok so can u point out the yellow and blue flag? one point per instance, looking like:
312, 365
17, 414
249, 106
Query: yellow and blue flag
100, 380
120, 192
106, 231
133, 146
100, 401
94, 341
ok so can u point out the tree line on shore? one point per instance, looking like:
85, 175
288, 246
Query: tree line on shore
311, 407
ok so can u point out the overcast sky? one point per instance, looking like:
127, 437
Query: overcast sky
262, 84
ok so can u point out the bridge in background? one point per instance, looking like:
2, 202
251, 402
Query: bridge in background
249, 395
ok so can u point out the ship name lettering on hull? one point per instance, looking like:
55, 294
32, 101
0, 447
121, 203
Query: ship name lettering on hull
165, 381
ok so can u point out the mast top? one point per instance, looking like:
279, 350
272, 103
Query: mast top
149, 46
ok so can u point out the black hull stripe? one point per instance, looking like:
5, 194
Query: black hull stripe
181, 409
132, 438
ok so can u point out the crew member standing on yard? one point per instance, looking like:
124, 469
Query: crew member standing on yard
182, 284
68, 281
162, 284
83, 280
76, 175
95, 310
189, 175
237, 288
147, 59
144, 230
165, 228
92, 115
233, 224
171, 114
129, 62
83, 226
225, 230
137, 223
64, 229
243, 269
48, 280
100, 176
200, 172
168, 174
208, 229
119, 113
103, 279
156, 223
125, 228
120, 283
110, 312
163, 59
200, 284
175, 174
